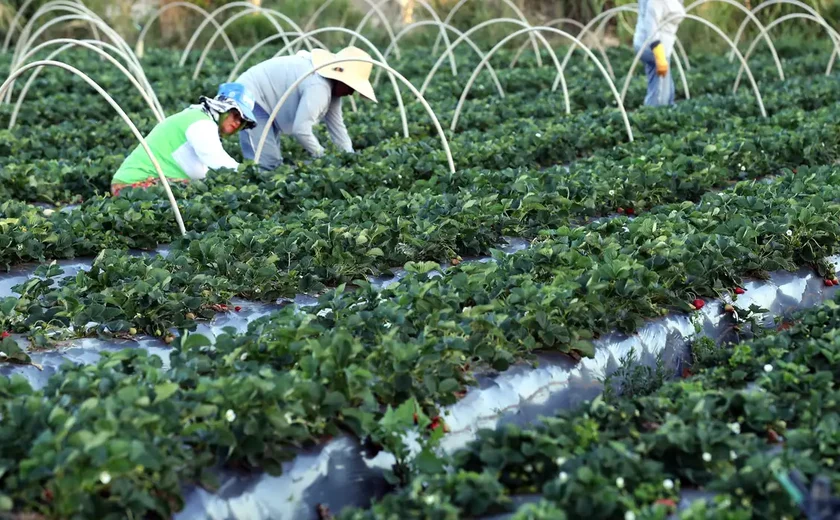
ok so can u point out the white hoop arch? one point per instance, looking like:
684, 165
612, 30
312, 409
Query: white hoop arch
81, 12
24, 46
374, 6
221, 30
604, 18
832, 35
519, 14
394, 40
120, 112
367, 42
138, 46
262, 43
552, 30
554, 23
755, 20
761, 6
716, 29
478, 27
16, 23
399, 76
248, 8
91, 45
226, 24
408, 28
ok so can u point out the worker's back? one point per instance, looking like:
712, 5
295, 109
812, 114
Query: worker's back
269, 80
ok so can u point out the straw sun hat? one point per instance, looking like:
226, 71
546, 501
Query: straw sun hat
354, 74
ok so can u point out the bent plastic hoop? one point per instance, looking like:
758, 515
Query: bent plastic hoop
138, 46
832, 35
399, 76
519, 14
408, 28
389, 28
762, 5
91, 45
480, 26
553, 30
120, 111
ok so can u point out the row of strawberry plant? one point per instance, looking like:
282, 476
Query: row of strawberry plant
334, 241
105, 438
754, 410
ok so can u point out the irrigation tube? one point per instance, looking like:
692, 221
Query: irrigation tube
435, 17
138, 47
69, 43
477, 27
752, 17
374, 50
51, 63
553, 30
832, 35
719, 32
405, 30
516, 11
387, 67
250, 8
23, 48
388, 27
768, 3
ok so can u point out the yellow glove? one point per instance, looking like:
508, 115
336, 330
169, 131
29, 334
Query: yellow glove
661, 60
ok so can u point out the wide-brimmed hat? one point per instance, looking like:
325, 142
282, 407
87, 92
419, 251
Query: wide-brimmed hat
354, 74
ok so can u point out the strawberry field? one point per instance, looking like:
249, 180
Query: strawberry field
571, 324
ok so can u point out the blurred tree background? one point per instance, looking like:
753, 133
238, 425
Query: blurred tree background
176, 26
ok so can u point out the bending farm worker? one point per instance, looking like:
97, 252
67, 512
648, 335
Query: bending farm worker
657, 27
188, 144
317, 98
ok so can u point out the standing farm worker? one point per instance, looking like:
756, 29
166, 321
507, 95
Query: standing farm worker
316, 99
657, 27
188, 143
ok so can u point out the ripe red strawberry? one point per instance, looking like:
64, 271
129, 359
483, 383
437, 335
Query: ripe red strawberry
698, 303
630, 211
620, 211
666, 502
739, 290
415, 418
4, 335
686, 373
828, 283
772, 437
237, 308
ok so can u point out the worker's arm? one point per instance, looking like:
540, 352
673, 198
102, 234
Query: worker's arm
203, 136
665, 17
335, 125
314, 102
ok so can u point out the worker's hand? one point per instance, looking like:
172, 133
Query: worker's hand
661, 60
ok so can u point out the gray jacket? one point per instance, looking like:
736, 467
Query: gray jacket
310, 104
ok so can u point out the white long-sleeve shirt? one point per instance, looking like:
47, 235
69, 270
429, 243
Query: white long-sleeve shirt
311, 103
203, 150
652, 14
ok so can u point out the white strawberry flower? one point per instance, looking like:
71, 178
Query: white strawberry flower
768, 368
105, 478
735, 427
789, 233
707, 457
619, 483
629, 515
564, 477
230, 416
668, 484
